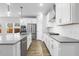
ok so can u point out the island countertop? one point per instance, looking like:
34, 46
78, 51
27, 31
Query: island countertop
11, 39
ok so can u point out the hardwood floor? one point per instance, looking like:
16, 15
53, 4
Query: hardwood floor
38, 48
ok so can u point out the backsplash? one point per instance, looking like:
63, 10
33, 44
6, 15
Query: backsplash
68, 31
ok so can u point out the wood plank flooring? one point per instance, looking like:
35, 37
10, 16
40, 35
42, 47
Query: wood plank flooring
38, 48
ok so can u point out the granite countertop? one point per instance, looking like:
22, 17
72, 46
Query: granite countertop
10, 39
63, 39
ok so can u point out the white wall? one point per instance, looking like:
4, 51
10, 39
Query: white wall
69, 30
5, 20
39, 27
25, 21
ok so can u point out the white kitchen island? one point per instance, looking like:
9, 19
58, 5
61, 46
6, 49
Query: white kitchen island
10, 44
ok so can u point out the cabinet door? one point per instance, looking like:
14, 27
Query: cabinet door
54, 47
47, 42
58, 13
69, 49
66, 13
63, 13
74, 12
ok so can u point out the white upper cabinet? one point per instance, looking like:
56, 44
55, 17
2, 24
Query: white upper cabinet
50, 19
67, 13
48, 23
58, 13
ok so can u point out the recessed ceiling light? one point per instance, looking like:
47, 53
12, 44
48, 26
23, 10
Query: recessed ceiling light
41, 4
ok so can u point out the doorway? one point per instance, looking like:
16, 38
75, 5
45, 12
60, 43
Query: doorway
32, 28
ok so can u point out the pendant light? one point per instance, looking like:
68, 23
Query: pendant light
21, 11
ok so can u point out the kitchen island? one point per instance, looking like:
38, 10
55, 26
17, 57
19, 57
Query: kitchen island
10, 44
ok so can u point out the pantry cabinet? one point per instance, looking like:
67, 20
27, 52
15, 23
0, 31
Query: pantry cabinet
67, 13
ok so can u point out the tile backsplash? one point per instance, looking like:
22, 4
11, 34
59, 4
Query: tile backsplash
68, 31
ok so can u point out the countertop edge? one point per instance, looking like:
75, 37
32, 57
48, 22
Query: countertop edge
14, 42
61, 41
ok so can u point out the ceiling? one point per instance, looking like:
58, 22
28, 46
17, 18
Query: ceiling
29, 9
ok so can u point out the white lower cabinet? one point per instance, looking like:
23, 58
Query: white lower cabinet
69, 49
48, 43
10, 50
61, 49
64, 49
54, 49
17, 49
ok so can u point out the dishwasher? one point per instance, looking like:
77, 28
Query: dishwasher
24, 46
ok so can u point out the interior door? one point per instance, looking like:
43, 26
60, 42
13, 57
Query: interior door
32, 28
